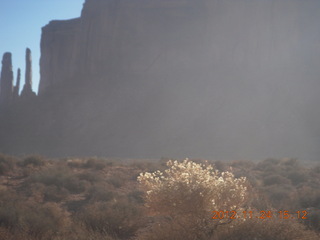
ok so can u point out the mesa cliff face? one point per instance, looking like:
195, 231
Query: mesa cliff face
106, 72
113, 38
150, 78
57, 48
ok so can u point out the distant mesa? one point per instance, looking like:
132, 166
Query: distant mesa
170, 78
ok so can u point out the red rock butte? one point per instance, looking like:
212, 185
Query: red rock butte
216, 79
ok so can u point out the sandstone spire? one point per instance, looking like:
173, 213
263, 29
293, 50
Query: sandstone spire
6, 79
28, 78
16, 89
27, 88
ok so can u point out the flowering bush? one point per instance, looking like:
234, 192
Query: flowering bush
188, 192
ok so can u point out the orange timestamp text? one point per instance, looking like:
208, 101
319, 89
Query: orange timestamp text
219, 215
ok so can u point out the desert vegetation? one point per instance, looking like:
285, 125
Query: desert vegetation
114, 199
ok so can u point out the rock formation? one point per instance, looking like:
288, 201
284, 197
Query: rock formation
27, 88
8, 93
16, 88
181, 78
115, 38
6, 80
19, 117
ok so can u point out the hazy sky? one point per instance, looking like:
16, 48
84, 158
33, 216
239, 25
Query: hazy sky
20, 26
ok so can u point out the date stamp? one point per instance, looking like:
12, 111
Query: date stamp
219, 215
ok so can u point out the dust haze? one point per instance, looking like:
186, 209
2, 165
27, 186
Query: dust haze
248, 83
207, 79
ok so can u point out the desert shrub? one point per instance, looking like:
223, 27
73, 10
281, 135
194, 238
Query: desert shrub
309, 197
165, 228
53, 193
280, 196
189, 184
8, 216
118, 218
40, 192
79, 232
100, 192
91, 177
313, 219
220, 166
5, 234
116, 181
92, 163
257, 199
35, 160
46, 221
242, 164
147, 165
120, 177
75, 163
136, 196
94, 217
75, 206
163, 162
290, 163
7, 164
265, 229
21, 217
95, 163
268, 165
61, 178
316, 169
188, 192
298, 176
275, 179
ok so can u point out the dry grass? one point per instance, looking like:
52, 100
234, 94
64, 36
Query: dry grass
99, 199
